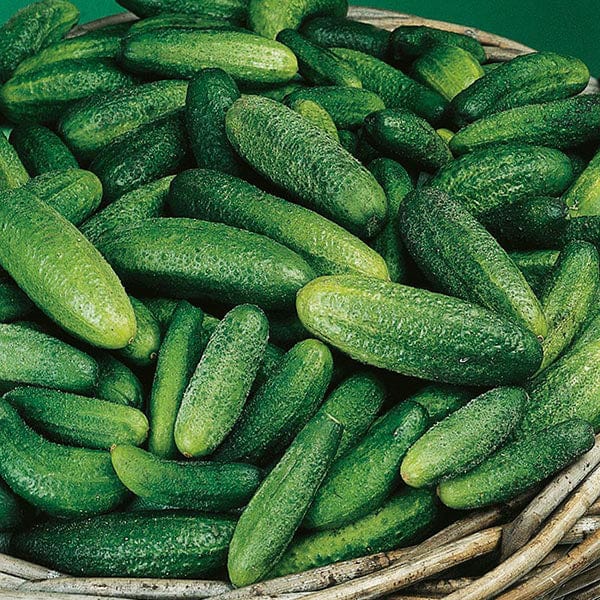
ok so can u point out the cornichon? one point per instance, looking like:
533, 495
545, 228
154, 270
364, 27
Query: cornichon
142, 349
12, 171
441, 400
118, 383
317, 115
234, 11
11, 509
583, 197
14, 304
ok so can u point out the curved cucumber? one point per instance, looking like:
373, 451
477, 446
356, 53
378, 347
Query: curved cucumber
226, 10
583, 197
441, 400
117, 383
14, 304
141, 351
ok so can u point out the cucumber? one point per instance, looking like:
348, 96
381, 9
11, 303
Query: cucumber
458, 255
325, 246
396, 89
535, 266
182, 53
560, 124
161, 544
94, 123
78, 421
349, 140
417, 332
177, 20
518, 466
322, 175
317, 115
362, 479
117, 383
142, 350
141, 156
271, 518
210, 94
494, 177
78, 289
234, 11
583, 197
404, 136
40, 149
445, 134
14, 304
12, 171
465, 438
348, 106
62, 481
441, 400
178, 356
163, 310
341, 32
190, 259
45, 94
316, 64
269, 17
582, 228
31, 357
402, 520
528, 79
32, 28
284, 403
11, 509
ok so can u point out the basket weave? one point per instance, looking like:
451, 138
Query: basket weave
542, 546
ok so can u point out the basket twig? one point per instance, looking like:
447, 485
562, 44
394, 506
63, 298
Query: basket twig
26, 570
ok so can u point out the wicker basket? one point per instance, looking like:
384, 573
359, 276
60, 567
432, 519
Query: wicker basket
545, 545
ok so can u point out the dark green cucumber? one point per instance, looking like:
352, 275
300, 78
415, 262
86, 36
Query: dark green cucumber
276, 92
465, 438
219, 197
582, 228
13, 173
118, 383
349, 140
177, 20
460, 257
178, 356
234, 11
583, 197
62, 273
535, 266
161, 544
11, 509
187, 258
60, 480
308, 163
560, 124
284, 403
286, 329
272, 517
163, 310
518, 466
78, 420
142, 349
362, 479
442, 400
417, 332
317, 115
14, 304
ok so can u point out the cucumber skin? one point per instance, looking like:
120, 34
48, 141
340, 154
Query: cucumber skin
60, 480
117, 383
11, 510
143, 348
320, 173
61, 283
341, 310
464, 439
219, 197
442, 400
267, 525
171, 544
583, 197
317, 115
12, 171
234, 11
14, 304
190, 259
518, 466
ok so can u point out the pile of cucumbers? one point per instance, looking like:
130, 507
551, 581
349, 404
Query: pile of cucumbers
279, 288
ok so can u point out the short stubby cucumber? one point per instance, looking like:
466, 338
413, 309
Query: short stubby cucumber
142, 349
317, 115
583, 197
14, 304
441, 400
117, 383
536, 266
233, 11
13, 173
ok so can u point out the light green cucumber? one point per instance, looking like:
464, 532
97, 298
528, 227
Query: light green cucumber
441, 400
583, 197
445, 134
117, 383
234, 11
142, 349
317, 115
14, 304
535, 266
12, 171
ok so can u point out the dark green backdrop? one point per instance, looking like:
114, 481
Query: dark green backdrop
566, 26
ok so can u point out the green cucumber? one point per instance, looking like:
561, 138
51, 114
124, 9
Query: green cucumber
163, 310
317, 115
349, 140
285, 328
234, 11
518, 466
12, 171
465, 438
177, 20
284, 403
122, 544
445, 134
441, 400
535, 266
14, 304
142, 349
582, 228
117, 383
62, 273
178, 356
322, 175
187, 258
78, 421
583, 197
60, 480
222, 198
362, 479
11, 509
417, 332
271, 518
458, 255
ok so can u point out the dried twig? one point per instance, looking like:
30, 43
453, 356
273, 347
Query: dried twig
584, 527
24, 569
17, 595
581, 581
10, 582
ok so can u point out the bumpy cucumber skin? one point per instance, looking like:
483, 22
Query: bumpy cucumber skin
360, 481
190, 259
583, 197
177, 20
100, 119
442, 400
535, 266
222, 198
518, 466
271, 518
45, 94
62, 272
12, 171
560, 124
117, 383
178, 356
307, 163
161, 544
142, 350
189, 485
60, 480
465, 438
402, 329
317, 115
234, 11
528, 79
403, 519
284, 403
490, 178
457, 254
11, 511
14, 304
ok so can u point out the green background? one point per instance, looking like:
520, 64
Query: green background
565, 26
